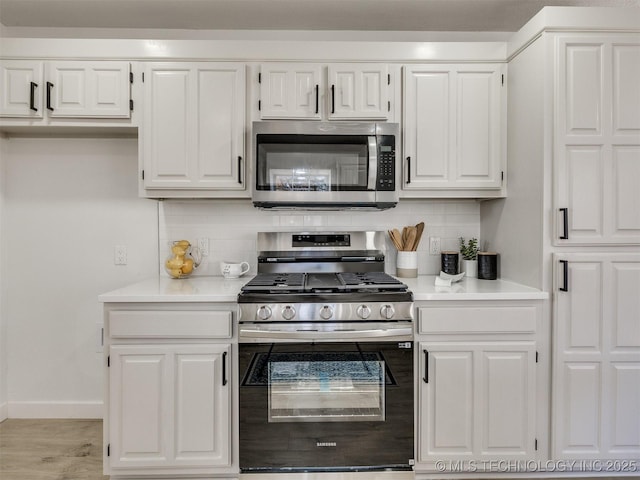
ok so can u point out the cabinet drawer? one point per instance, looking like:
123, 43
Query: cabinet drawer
445, 320
174, 324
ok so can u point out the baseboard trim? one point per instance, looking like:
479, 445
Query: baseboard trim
4, 412
54, 409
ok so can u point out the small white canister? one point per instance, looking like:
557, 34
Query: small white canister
407, 264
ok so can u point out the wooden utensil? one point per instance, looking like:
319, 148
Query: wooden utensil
395, 239
410, 245
419, 229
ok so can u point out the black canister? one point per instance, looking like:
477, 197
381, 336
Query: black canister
487, 265
449, 262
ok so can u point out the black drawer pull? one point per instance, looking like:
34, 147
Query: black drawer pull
565, 276
408, 170
317, 98
565, 224
49, 87
32, 97
240, 170
333, 99
426, 366
224, 368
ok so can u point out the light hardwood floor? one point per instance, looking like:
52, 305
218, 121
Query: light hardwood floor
51, 450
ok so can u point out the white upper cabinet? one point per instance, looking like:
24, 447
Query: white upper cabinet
290, 91
73, 89
597, 142
21, 88
193, 133
358, 91
350, 91
453, 127
88, 89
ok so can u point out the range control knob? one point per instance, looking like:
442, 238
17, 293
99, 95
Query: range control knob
326, 312
264, 313
288, 312
387, 311
363, 311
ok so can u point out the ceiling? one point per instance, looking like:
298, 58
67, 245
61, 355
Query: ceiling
382, 15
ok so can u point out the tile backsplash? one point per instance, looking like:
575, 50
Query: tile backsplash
230, 226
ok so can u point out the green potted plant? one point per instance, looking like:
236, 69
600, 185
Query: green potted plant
469, 252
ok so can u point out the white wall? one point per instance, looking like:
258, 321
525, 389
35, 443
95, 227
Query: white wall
514, 227
3, 330
231, 226
67, 203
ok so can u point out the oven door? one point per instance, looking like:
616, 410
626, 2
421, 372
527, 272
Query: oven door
326, 406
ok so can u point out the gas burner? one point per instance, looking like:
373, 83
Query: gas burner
276, 282
378, 280
343, 282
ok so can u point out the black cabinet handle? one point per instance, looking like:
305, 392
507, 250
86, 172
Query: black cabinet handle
32, 97
333, 99
408, 170
317, 98
426, 366
239, 169
224, 368
565, 276
565, 224
49, 87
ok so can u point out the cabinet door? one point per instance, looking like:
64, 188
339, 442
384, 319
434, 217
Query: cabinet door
21, 89
597, 141
506, 417
219, 149
88, 89
169, 406
194, 126
140, 403
477, 401
168, 132
453, 127
359, 91
596, 374
289, 90
447, 396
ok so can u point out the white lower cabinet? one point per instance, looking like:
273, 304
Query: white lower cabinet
596, 380
169, 405
478, 400
169, 402
477, 394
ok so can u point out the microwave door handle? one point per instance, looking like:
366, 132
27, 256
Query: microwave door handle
373, 162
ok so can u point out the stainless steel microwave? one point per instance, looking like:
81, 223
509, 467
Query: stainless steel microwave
324, 165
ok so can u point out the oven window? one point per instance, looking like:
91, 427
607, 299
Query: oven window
303, 163
326, 387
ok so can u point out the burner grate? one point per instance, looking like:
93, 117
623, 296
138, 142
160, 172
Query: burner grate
276, 281
371, 279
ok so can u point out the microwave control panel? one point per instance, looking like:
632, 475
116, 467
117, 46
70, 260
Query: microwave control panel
386, 163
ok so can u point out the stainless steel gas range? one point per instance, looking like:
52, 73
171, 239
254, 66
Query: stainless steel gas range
326, 357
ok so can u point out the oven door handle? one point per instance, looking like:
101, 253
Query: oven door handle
373, 162
311, 334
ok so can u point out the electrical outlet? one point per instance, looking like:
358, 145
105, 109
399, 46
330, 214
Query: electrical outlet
120, 255
203, 246
434, 246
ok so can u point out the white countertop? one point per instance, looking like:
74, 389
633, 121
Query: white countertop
424, 288
220, 289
